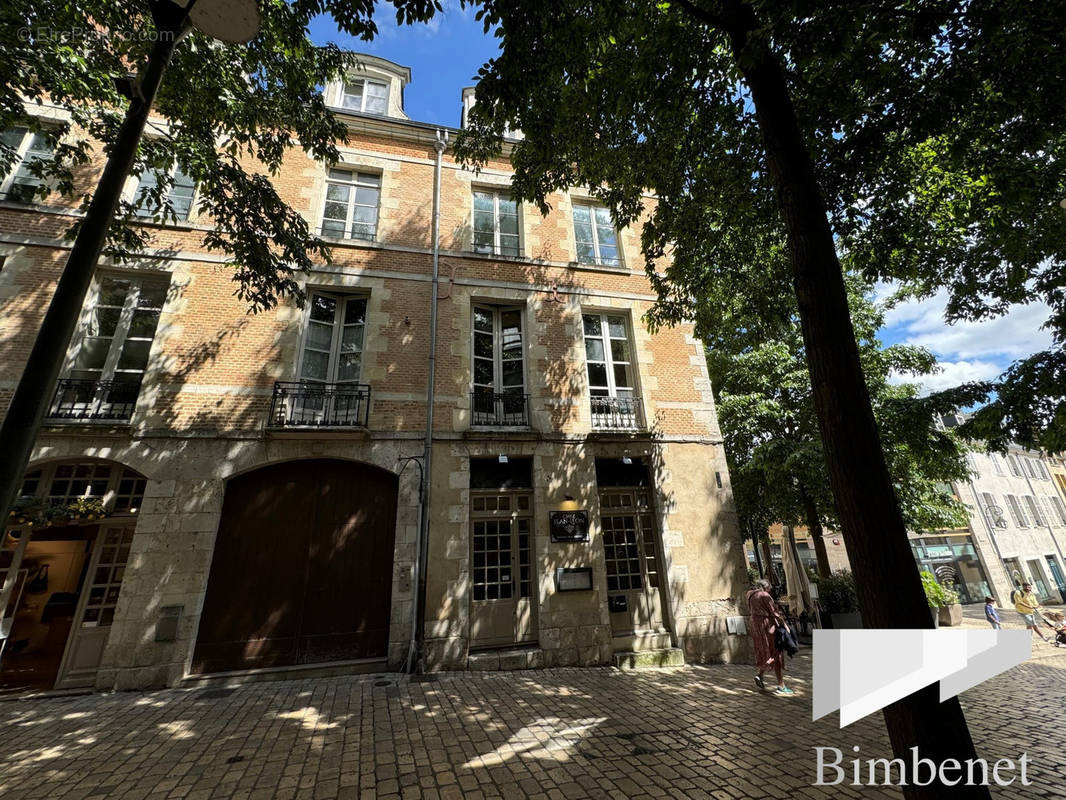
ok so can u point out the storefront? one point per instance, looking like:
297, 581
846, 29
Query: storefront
954, 561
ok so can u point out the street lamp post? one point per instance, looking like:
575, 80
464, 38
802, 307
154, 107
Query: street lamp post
229, 20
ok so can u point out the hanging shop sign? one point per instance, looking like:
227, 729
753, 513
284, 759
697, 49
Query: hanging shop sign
569, 526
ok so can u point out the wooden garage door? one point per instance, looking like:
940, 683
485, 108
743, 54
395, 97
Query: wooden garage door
302, 568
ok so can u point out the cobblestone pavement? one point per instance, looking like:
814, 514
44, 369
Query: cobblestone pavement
693, 732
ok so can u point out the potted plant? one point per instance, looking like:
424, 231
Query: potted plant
943, 602
837, 597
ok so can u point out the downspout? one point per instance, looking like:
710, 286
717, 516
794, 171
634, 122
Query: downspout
416, 656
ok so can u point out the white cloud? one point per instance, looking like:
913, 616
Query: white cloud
968, 351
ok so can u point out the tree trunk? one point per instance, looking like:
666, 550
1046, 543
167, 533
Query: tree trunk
768, 559
886, 576
814, 528
755, 549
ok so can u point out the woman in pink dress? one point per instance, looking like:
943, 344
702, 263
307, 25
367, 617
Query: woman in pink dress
765, 617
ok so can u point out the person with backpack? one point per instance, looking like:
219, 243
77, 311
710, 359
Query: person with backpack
1026, 604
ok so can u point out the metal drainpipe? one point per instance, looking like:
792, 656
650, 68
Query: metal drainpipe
418, 619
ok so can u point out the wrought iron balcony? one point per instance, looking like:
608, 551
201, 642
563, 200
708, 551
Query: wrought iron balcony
87, 400
299, 404
617, 414
506, 409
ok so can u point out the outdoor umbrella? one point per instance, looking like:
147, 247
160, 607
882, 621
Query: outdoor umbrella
798, 591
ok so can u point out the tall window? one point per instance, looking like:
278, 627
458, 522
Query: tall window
609, 361
371, 97
351, 209
180, 193
499, 374
109, 360
1060, 509
1015, 469
997, 462
1035, 511
333, 343
495, 224
121, 325
995, 513
20, 184
1016, 512
597, 240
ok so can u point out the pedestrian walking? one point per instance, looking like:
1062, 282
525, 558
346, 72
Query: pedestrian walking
991, 614
1026, 604
765, 619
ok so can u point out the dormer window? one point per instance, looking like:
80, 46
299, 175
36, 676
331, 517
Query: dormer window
367, 96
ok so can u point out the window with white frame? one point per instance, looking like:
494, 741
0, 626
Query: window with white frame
20, 184
595, 234
179, 193
611, 371
499, 381
495, 223
1060, 509
997, 462
1016, 512
351, 209
333, 342
108, 360
995, 513
1035, 511
1015, 469
370, 97
120, 323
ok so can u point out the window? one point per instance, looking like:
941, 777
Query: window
597, 241
495, 224
498, 367
608, 356
371, 97
609, 361
997, 462
1060, 509
21, 185
1034, 509
180, 193
995, 513
1015, 469
351, 209
333, 343
1016, 512
108, 362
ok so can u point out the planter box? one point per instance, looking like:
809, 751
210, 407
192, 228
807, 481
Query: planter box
950, 615
852, 619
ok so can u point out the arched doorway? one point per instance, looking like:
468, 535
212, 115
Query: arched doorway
62, 562
302, 568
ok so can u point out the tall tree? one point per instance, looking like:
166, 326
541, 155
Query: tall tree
765, 406
749, 117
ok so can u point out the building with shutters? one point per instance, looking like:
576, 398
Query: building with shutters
1017, 531
216, 494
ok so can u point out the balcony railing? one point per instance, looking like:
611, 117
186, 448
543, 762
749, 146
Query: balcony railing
617, 414
87, 400
507, 409
297, 404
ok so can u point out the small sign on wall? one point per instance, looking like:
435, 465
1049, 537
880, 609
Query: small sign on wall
573, 579
569, 526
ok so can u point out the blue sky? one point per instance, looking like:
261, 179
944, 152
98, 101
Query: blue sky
444, 55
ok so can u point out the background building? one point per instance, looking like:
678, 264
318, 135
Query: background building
259, 474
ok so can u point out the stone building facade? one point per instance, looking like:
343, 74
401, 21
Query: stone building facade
260, 474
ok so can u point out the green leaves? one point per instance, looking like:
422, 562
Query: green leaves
234, 114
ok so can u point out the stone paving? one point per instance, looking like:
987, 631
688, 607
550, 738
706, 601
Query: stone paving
692, 732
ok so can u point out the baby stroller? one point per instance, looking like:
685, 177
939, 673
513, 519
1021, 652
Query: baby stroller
1057, 621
